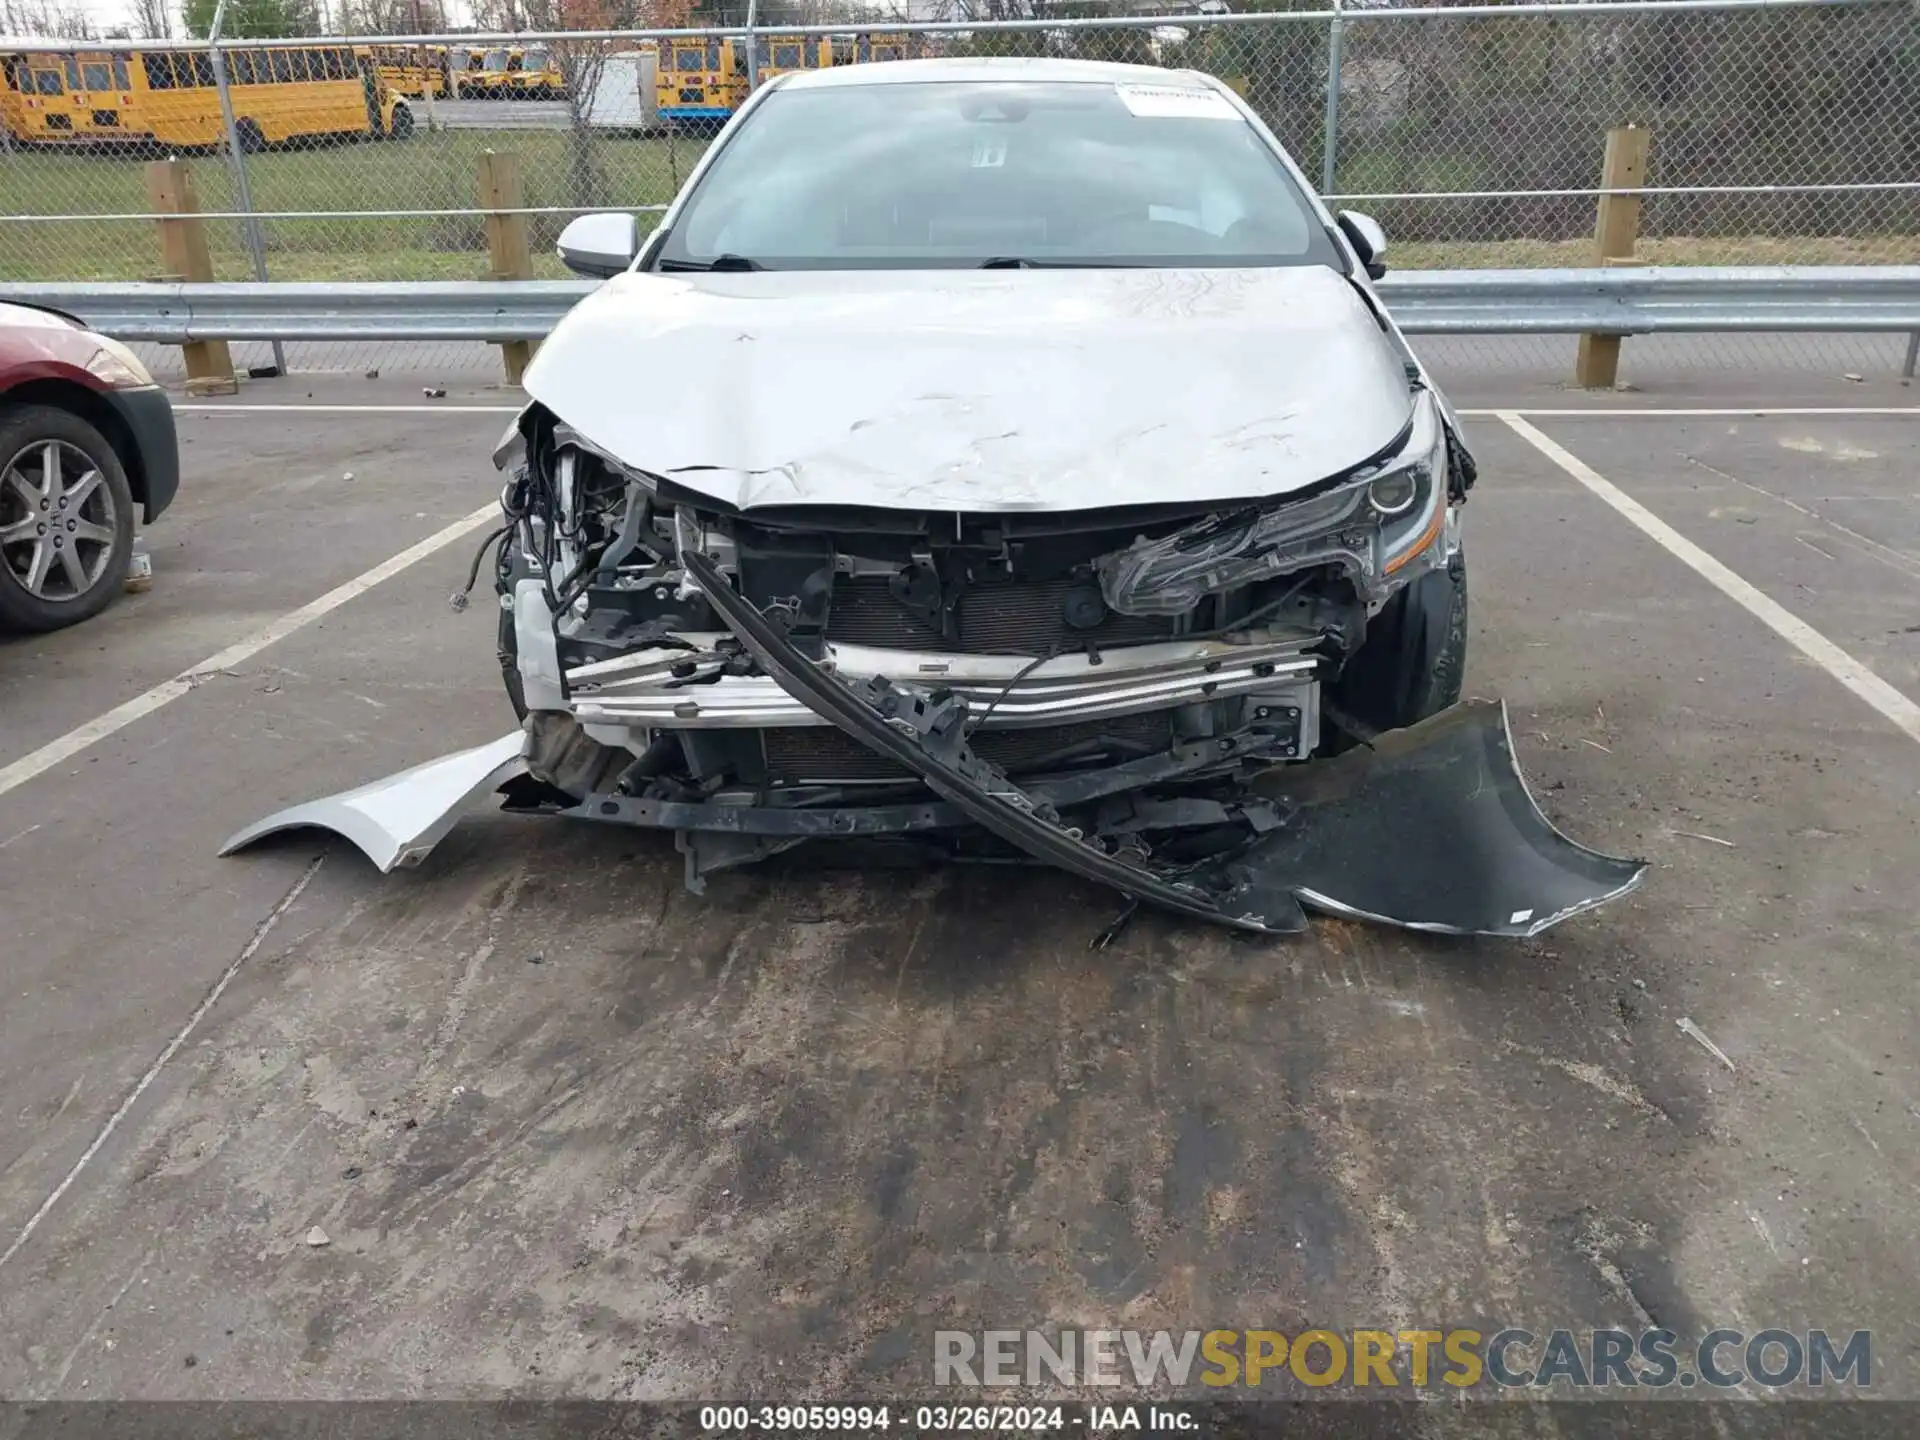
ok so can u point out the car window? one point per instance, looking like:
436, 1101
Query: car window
951, 173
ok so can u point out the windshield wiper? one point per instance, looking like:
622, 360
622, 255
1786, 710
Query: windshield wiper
719, 262
1024, 262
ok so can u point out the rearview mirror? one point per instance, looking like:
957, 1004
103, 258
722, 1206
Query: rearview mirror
1369, 241
599, 245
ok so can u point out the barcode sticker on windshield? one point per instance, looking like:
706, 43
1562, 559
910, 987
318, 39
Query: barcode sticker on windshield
1175, 102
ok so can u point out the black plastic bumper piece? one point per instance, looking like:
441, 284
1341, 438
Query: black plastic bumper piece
1432, 828
154, 466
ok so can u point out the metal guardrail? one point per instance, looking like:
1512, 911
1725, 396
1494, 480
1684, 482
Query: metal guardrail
177, 314
1624, 301
1656, 300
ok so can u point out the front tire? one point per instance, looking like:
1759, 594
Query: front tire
66, 520
1414, 659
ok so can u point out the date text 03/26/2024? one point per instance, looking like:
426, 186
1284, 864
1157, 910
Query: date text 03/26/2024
941, 1419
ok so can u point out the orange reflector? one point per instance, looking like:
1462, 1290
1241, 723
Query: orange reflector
1426, 538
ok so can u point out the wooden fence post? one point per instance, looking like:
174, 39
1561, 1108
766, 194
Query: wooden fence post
1616, 226
184, 254
508, 251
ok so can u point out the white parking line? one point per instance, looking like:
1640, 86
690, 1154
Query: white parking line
207, 1002
167, 691
1895, 706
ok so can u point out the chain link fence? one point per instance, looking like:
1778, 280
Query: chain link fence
1783, 131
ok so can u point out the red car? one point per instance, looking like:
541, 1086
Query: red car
85, 436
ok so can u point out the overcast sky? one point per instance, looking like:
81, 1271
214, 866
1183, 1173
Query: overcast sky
106, 14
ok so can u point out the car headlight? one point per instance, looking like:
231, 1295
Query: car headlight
1394, 493
1371, 525
1410, 495
115, 365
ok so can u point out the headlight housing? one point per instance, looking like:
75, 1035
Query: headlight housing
114, 365
1419, 474
1372, 526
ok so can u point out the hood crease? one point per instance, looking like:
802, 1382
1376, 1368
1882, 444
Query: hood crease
979, 391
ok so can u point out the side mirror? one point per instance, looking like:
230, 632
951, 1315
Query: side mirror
599, 245
1369, 241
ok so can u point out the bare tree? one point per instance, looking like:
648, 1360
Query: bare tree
394, 17
581, 64
49, 18
151, 19
504, 15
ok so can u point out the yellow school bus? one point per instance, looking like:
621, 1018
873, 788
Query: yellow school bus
56, 97
489, 74
168, 97
464, 67
781, 53
866, 45
700, 83
534, 74
415, 70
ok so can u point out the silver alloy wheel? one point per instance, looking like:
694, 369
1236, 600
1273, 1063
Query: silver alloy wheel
57, 520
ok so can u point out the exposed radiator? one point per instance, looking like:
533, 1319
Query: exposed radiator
1024, 618
823, 753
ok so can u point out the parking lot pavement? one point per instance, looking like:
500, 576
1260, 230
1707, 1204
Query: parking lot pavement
569, 1130
1821, 512
281, 507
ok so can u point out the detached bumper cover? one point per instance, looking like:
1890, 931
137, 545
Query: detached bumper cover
1432, 829
398, 820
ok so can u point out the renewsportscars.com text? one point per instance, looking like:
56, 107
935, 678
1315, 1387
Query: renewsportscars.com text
1460, 1358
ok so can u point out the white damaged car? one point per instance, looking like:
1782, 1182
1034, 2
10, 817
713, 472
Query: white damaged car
1012, 459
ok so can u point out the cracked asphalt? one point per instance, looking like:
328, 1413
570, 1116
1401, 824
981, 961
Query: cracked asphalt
570, 1131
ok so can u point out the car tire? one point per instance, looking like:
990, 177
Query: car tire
1414, 659
55, 600
252, 139
402, 126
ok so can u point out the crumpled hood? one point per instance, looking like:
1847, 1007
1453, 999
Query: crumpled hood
979, 390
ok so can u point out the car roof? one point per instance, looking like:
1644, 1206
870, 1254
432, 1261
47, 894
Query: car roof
1042, 69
